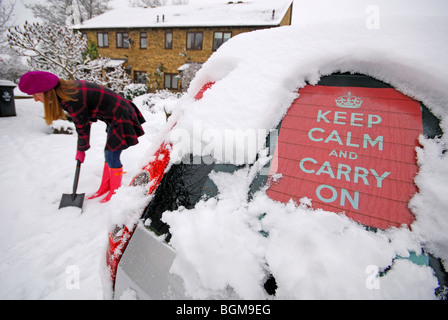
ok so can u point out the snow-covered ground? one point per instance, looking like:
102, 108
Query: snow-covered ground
44, 250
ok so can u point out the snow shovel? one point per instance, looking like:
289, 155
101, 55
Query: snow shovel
73, 200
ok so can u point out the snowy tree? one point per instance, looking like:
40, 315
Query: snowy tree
188, 70
50, 47
11, 67
158, 74
155, 3
92, 8
116, 79
6, 13
179, 2
60, 50
188, 73
147, 3
63, 12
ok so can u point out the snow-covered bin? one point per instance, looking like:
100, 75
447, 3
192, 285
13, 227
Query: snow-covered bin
7, 106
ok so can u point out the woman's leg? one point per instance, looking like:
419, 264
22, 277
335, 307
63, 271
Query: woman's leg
113, 158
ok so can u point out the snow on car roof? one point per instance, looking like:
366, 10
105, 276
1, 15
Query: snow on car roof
257, 74
256, 77
227, 13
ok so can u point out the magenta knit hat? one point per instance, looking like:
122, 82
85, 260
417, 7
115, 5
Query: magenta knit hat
37, 81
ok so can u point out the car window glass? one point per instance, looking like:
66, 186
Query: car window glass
261, 177
181, 186
188, 182
431, 124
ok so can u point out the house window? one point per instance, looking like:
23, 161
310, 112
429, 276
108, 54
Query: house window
171, 81
168, 40
143, 40
219, 38
122, 40
194, 40
103, 39
140, 77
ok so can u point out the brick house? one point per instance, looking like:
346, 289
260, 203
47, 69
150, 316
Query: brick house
155, 44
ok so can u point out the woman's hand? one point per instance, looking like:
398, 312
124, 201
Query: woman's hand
80, 155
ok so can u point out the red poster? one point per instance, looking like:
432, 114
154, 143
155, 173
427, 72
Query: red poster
351, 150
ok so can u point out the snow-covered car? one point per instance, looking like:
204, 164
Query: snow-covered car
303, 163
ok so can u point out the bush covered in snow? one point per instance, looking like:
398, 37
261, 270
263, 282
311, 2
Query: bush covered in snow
134, 90
161, 101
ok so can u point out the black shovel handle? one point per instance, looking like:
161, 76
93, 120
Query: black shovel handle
75, 182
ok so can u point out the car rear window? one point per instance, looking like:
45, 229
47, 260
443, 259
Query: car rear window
183, 186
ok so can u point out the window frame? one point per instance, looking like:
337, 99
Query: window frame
138, 75
124, 42
104, 36
143, 36
173, 77
194, 46
170, 46
222, 39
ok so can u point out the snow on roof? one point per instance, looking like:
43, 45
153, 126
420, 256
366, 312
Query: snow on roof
113, 63
227, 13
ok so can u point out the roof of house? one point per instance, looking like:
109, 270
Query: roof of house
227, 13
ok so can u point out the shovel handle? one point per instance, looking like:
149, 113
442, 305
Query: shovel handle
75, 182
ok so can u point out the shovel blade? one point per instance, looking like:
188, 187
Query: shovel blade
72, 200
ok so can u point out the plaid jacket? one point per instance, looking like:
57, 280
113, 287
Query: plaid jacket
95, 102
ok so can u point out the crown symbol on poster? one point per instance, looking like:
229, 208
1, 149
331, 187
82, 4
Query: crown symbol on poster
348, 101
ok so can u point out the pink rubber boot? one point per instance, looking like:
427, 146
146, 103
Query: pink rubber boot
116, 175
105, 183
